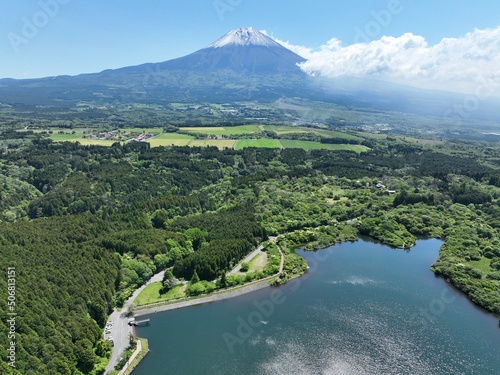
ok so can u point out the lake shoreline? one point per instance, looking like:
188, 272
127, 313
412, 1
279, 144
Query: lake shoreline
202, 300
339, 275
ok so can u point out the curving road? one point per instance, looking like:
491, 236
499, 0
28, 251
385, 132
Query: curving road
121, 330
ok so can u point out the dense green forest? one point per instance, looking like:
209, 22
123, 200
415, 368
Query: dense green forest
86, 225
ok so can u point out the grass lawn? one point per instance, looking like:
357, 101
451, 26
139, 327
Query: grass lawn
151, 294
258, 262
308, 145
264, 143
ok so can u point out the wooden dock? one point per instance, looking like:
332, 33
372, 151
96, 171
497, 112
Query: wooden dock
144, 322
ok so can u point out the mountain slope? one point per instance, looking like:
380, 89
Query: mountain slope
244, 51
244, 64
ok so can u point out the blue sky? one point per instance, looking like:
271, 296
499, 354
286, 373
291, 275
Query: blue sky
76, 36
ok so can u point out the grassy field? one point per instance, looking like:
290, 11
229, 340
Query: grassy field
263, 143
258, 262
97, 142
243, 129
308, 145
66, 137
285, 129
169, 139
219, 143
151, 294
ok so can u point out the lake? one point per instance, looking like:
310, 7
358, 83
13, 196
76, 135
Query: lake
362, 308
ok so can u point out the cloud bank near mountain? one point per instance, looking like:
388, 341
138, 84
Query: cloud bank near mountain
469, 64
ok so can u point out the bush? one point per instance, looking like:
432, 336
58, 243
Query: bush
201, 287
245, 267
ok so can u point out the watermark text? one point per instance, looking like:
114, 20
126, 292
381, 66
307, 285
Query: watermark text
11, 316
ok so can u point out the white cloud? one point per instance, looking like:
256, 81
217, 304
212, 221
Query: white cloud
469, 64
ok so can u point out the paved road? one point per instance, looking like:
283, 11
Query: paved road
121, 330
247, 259
132, 357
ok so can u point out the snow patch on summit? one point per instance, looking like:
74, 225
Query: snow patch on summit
244, 37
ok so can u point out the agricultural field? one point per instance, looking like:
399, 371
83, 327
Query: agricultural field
95, 142
170, 139
285, 129
219, 143
161, 138
262, 143
243, 129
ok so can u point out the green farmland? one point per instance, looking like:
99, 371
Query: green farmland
261, 143
237, 137
243, 129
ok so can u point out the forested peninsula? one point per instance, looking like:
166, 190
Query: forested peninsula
84, 226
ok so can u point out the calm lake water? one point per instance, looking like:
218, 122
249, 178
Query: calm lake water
363, 308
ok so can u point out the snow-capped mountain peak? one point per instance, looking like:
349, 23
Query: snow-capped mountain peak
244, 37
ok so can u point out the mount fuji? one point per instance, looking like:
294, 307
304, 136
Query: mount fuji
244, 64
245, 51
